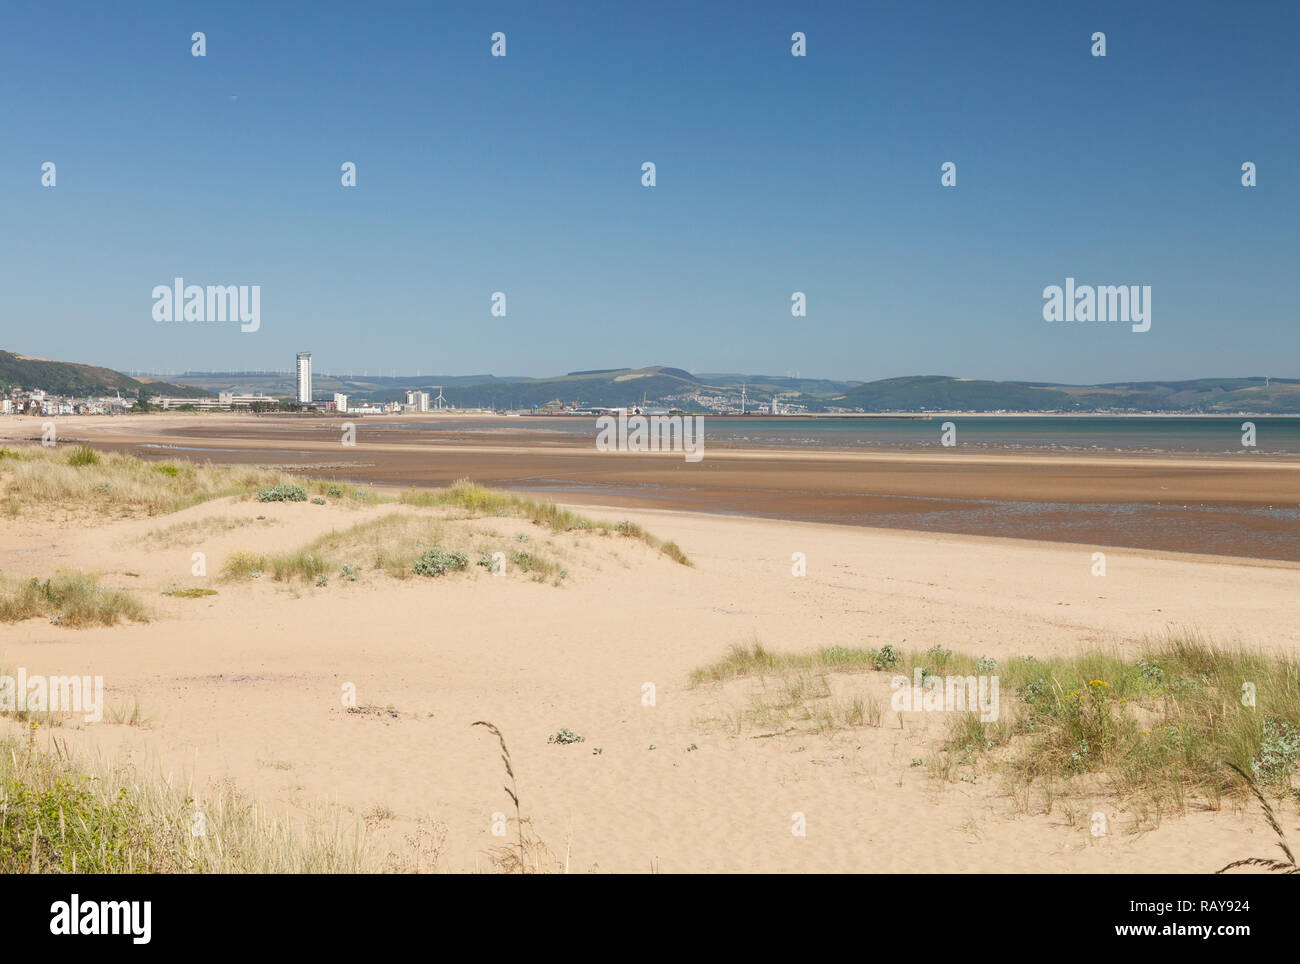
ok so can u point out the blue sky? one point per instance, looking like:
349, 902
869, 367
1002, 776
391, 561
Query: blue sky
775, 174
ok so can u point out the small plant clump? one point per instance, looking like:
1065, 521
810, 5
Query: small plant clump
1279, 751
189, 593
437, 562
83, 455
564, 737
317, 500
284, 492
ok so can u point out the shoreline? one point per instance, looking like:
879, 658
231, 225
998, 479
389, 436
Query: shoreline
1241, 507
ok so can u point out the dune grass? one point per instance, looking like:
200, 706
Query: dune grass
70, 599
184, 533
399, 544
56, 817
395, 542
35, 478
479, 501
1168, 724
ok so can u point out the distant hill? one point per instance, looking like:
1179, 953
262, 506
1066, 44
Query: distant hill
1202, 395
74, 378
664, 386
610, 386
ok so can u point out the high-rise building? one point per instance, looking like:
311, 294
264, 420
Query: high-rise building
304, 378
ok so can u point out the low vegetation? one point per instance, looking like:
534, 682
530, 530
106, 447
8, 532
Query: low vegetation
68, 599
184, 533
403, 544
58, 818
480, 501
36, 478
1182, 719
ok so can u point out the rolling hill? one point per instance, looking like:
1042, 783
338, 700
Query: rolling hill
74, 378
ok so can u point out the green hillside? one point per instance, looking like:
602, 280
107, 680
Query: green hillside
73, 378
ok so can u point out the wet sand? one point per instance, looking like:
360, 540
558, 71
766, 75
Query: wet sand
1247, 507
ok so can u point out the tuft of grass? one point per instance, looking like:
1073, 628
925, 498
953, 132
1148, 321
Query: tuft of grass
128, 714
283, 566
68, 599
83, 455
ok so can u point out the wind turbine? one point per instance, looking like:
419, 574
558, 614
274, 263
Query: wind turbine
439, 401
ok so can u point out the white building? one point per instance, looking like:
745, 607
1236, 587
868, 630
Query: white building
340, 402
304, 378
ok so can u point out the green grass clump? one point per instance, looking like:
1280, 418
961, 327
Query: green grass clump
283, 566
437, 562
68, 599
83, 455
757, 660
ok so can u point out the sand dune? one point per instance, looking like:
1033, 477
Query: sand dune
245, 686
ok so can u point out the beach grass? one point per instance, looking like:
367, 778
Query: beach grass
1171, 723
71, 599
36, 478
480, 501
58, 817
396, 542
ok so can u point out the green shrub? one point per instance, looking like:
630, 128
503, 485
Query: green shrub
282, 493
1279, 751
436, 562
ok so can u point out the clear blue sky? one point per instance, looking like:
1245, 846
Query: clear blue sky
775, 174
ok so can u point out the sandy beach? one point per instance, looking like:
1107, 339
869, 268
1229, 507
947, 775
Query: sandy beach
243, 688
